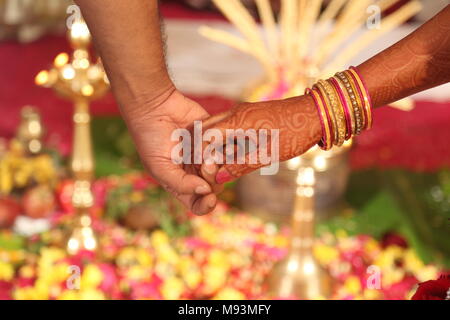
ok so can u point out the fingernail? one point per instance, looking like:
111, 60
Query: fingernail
202, 190
223, 176
212, 203
210, 168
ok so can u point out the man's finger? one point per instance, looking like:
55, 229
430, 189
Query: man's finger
179, 182
199, 205
209, 172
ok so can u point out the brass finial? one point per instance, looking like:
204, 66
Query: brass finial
299, 275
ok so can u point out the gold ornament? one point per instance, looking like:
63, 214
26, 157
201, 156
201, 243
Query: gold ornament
30, 130
299, 275
81, 81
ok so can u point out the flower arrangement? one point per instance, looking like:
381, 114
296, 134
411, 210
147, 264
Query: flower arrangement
227, 255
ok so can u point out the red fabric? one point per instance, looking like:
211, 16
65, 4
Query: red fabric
417, 140
175, 10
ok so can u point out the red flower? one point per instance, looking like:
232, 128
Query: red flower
433, 289
5, 290
392, 239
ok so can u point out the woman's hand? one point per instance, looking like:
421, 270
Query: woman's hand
151, 127
296, 120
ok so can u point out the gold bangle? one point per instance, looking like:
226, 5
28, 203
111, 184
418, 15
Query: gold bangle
338, 112
356, 100
350, 112
323, 93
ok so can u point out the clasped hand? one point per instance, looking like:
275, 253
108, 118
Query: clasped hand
197, 186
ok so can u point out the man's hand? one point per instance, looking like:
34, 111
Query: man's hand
128, 38
152, 130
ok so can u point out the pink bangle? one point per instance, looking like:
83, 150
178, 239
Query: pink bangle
346, 109
323, 141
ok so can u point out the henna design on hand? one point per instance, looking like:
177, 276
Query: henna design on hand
295, 118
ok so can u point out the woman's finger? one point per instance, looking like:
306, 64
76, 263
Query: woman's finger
209, 172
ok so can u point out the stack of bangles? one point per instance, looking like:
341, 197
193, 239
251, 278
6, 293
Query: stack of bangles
344, 107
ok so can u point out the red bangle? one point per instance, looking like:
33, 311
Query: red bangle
368, 108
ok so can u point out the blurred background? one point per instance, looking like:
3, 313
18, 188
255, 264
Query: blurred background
381, 205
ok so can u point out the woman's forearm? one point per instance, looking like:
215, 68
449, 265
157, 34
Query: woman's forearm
416, 63
127, 36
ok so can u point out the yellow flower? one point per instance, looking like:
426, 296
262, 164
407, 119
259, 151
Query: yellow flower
166, 253
372, 246
126, 257
391, 276
237, 259
325, 254
6, 271
372, 294
6, 179
27, 271
158, 238
49, 255
91, 278
352, 285
42, 289
69, 295
144, 257
38, 292
387, 257
218, 258
192, 279
215, 277
172, 288
412, 261
139, 273
228, 293
91, 294
208, 233
190, 272
26, 293
427, 273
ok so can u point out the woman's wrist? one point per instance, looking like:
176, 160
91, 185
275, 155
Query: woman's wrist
343, 106
308, 130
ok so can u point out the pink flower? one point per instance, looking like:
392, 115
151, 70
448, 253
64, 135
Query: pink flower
109, 277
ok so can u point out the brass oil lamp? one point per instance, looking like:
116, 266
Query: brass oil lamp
81, 81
